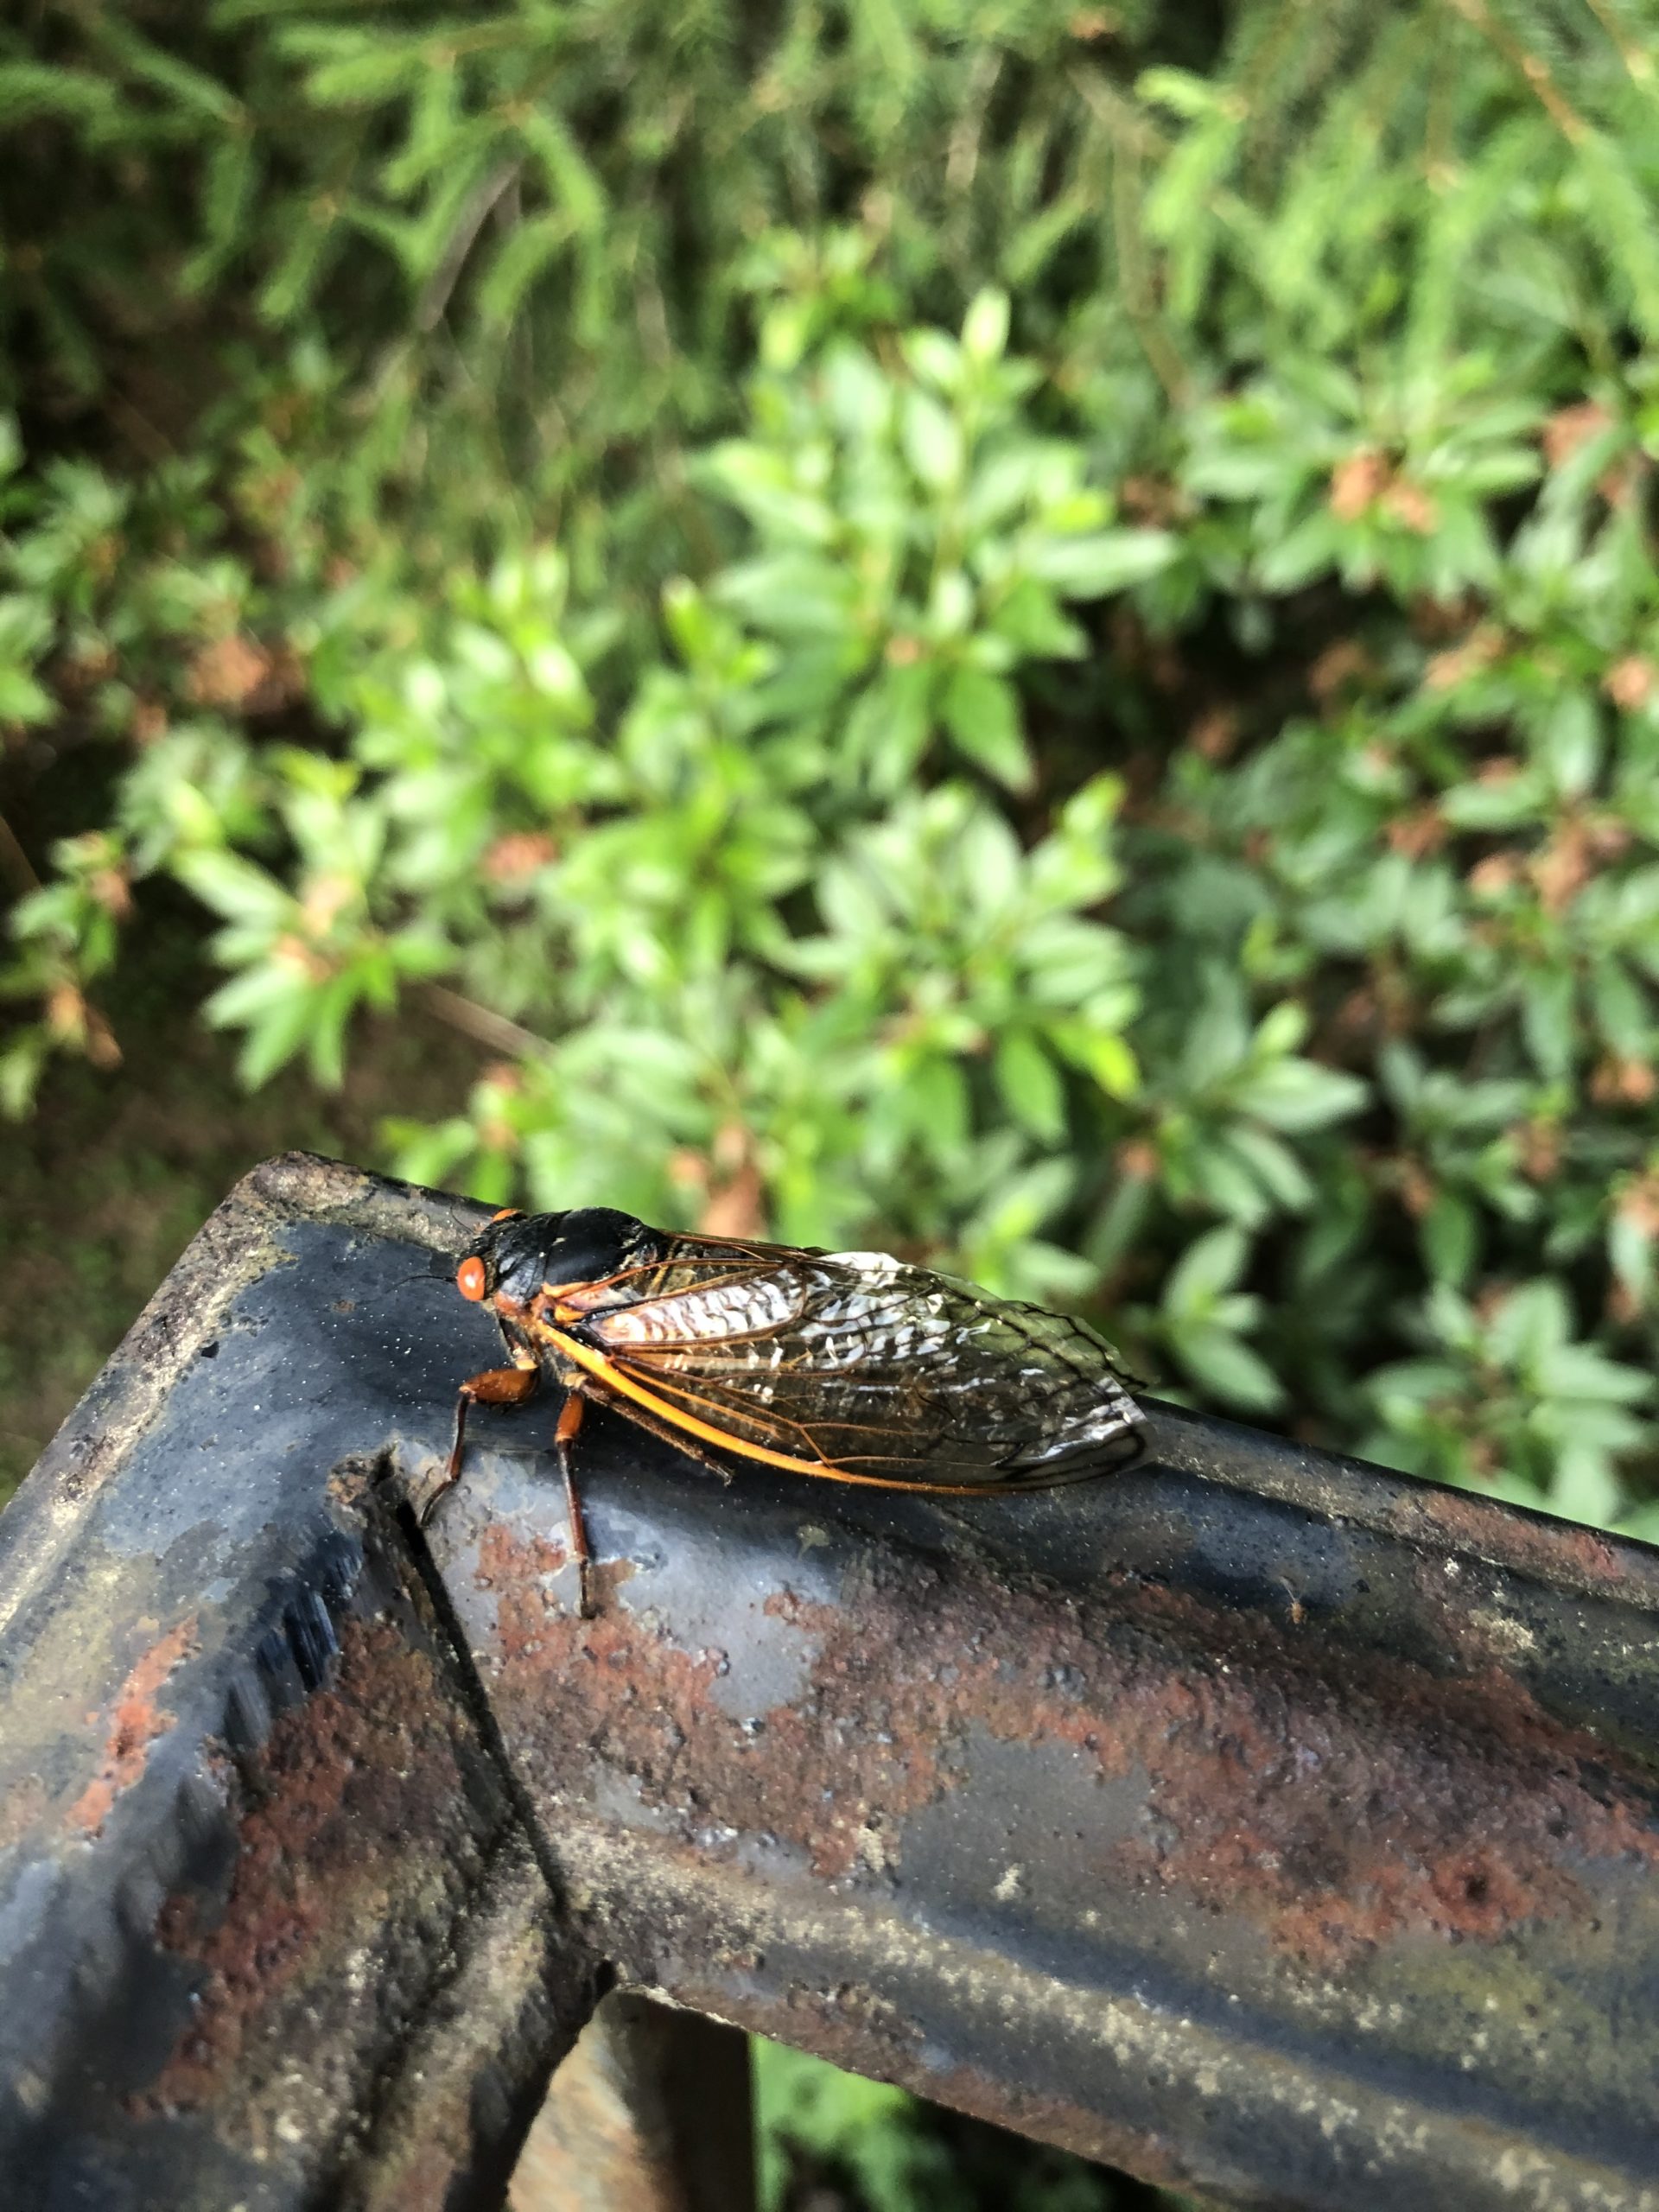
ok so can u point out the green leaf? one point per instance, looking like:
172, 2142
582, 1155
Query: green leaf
1548, 1020
1630, 1254
1224, 1367
1227, 1183
1309, 551
1570, 744
982, 713
1207, 1268
277, 1035
22, 699
519, 265
985, 329
1276, 1165
22, 1063
1029, 618
1093, 567
1102, 1054
1580, 1372
932, 441
934, 358
1623, 1010
235, 888
890, 724
1299, 1095
1031, 1086
1584, 1487
1533, 1323
28, 89
259, 989
1450, 1236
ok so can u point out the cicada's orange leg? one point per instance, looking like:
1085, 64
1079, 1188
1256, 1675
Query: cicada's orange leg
496, 1386
516, 1386
570, 1419
564, 1436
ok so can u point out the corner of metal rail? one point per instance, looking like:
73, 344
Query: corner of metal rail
1258, 1821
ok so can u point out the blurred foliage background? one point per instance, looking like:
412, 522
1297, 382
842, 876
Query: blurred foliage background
1025, 635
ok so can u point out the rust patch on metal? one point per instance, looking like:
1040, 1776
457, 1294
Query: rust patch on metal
349, 1787
1550, 1552
648, 1708
135, 1721
1337, 1798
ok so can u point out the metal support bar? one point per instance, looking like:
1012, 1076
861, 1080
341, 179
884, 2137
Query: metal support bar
1256, 1820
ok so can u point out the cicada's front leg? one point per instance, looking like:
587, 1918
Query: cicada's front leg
495, 1385
564, 1436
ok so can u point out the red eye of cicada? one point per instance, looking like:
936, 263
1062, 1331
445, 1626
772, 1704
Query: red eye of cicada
470, 1279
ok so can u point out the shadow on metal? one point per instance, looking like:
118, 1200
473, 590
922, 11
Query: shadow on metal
1256, 1821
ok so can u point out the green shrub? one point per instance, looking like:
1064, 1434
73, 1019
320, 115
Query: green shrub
1035, 639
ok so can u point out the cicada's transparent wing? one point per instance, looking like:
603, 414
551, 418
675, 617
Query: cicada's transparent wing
852, 1361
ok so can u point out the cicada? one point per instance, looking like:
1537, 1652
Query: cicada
850, 1366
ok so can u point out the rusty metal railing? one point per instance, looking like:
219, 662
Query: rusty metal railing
1254, 1821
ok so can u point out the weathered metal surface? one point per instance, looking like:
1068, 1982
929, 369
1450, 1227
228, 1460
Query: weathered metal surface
1284, 1828
650, 2113
1250, 1819
271, 1932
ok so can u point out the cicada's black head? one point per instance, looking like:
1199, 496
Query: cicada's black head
517, 1253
